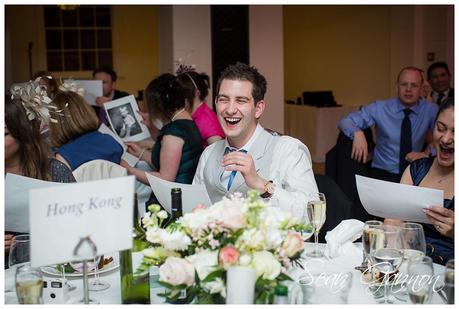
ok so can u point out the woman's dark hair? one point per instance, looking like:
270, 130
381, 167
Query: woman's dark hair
33, 149
448, 103
192, 81
164, 96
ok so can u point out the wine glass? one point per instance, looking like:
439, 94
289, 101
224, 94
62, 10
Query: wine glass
316, 211
367, 234
414, 247
420, 283
97, 284
29, 284
19, 250
449, 281
386, 254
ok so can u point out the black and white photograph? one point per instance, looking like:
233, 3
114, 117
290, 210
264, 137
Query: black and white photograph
125, 120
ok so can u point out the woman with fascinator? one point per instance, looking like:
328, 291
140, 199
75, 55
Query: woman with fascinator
175, 155
75, 136
196, 86
26, 151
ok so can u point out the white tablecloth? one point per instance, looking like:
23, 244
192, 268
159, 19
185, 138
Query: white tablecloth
357, 294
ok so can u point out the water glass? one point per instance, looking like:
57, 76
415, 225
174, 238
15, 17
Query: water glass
29, 284
449, 281
369, 230
323, 288
19, 250
421, 281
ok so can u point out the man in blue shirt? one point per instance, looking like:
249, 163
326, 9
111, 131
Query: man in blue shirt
388, 118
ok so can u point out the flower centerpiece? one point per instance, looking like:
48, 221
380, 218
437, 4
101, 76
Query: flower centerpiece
195, 252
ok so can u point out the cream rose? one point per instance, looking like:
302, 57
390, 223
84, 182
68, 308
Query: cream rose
266, 265
177, 271
292, 244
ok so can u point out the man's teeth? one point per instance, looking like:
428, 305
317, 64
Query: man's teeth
232, 120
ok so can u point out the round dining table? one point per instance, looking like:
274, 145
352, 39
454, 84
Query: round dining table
359, 292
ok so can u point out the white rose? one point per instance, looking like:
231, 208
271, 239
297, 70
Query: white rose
204, 262
251, 239
215, 286
266, 265
195, 221
273, 238
176, 240
177, 271
153, 235
245, 259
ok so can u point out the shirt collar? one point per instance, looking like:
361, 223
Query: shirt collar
252, 139
414, 108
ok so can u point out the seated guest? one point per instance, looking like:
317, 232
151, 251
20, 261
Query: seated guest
176, 153
440, 81
438, 173
279, 167
403, 125
75, 136
109, 91
196, 90
26, 151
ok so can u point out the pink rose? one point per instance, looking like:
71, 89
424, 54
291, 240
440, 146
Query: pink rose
228, 256
231, 217
292, 244
177, 271
199, 207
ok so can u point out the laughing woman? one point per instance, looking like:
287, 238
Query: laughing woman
438, 173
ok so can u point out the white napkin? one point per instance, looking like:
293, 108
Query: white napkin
340, 239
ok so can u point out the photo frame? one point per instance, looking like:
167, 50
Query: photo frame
125, 120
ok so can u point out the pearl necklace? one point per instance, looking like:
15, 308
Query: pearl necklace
177, 113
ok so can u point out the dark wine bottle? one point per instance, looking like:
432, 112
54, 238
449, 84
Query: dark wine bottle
176, 204
135, 286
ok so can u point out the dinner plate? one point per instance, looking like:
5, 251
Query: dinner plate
51, 270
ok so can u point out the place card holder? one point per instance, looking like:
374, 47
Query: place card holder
81, 250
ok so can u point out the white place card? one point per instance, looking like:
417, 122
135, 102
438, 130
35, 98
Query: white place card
92, 89
61, 216
17, 200
125, 120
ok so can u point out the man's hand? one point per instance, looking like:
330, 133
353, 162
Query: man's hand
243, 162
101, 100
360, 147
442, 219
413, 156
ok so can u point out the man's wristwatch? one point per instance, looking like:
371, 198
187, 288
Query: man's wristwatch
269, 188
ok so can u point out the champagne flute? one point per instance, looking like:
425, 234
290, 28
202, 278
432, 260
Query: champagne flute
97, 284
316, 210
369, 231
386, 254
449, 281
29, 284
420, 283
19, 250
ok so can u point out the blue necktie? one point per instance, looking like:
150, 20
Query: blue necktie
233, 173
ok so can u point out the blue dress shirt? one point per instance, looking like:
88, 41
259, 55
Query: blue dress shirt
387, 117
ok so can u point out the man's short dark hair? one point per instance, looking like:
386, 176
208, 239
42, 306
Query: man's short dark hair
107, 70
437, 65
244, 72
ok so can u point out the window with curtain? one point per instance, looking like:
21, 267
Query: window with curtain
78, 38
